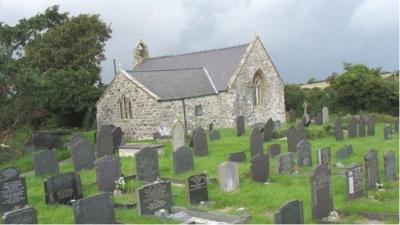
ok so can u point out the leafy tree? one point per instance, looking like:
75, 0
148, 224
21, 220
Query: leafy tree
294, 98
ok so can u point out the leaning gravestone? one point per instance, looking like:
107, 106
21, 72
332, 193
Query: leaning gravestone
196, 187
200, 144
98, 209
321, 192
228, 176
319, 119
354, 181
390, 166
284, 163
338, 129
324, 156
117, 136
45, 162
387, 132
105, 142
293, 138
274, 150
361, 128
147, 164
77, 136
215, 135
154, 197
8, 173
341, 154
259, 168
303, 149
182, 159
63, 188
82, 154
268, 130
292, 115
108, 170
352, 127
290, 213
256, 142
13, 194
240, 126
325, 115
26, 215
178, 135
371, 125
237, 157
372, 168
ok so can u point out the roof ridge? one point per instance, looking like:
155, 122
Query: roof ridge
161, 70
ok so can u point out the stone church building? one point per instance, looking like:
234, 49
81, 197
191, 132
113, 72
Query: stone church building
196, 88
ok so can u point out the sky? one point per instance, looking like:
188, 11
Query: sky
305, 38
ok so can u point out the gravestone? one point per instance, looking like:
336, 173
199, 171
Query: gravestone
292, 139
361, 128
228, 176
105, 142
372, 169
341, 154
390, 166
63, 188
303, 149
371, 125
82, 154
349, 150
98, 209
319, 119
47, 139
237, 157
77, 136
13, 194
338, 129
153, 197
117, 136
196, 187
26, 215
210, 127
240, 126
8, 173
354, 181
268, 130
292, 116
182, 159
274, 150
325, 115
321, 192
387, 132
215, 135
259, 168
324, 156
200, 144
285, 163
290, 213
178, 135
256, 142
352, 127
147, 164
108, 170
45, 162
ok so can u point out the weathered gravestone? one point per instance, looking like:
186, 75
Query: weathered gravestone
182, 159
98, 209
228, 176
321, 192
325, 115
371, 125
117, 136
82, 154
319, 119
200, 144
303, 150
26, 215
237, 157
372, 168
268, 130
76, 136
274, 150
108, 170
256, 142
285, 163
196, 187
338, 129
45, 162
154, 197
341, 154
259, 168
293, 138
349, 150
290, 213
178, 135
292, 116
354, 181
13, 194
63, 188
147, 164
324, 156
105, 141
8, 173
47, 139
240, 126
352, 127
390, 166
361, 128
387, 132
215, 135
210, 127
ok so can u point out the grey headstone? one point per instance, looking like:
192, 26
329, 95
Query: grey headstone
182, 160
352, 127
354, 182
256, 142
371, 125
325, 115
304, 156
108, 170
200, 144
105, 142
341, 154
390, 165
349, 150
259, 168
268, 130
293, 137
63, 188
26, 215
98, 209
290, 213
321, 192
13, 194
292, 116
117, 136
319, 119
361, 128
237, 157
387, 130
178, 135
47, 140
8, 173
372, 168
284, 163
82, 154
338, 129
45, 162
215, 135
324, 156
147, 164
153, 197
228, 176
240, 126
196, 187
76, 136
274, 150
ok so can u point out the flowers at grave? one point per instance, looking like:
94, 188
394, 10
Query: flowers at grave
120, 184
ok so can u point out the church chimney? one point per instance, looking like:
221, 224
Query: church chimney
140, 53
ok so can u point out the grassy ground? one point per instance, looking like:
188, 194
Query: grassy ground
260, 200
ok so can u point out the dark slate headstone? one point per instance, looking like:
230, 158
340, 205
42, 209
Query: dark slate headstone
290, 213
237, 157
240, 125
47, 140
8, 173
26, 215
63, 188
324, 156
352, 127
349, 150
182, 159
284, 163
117, 136
274, 150
338, 129
215, 135
256, 142
361, 128
210, 127
98, 209
372, 168
341, 154
259, 168
108, 170
147, 164
45, 162
371, 125
304, 157
292, 139
390, 165
77, 136
200, 144
82, 154
268, 130
321, 192
13, 194
387, 130
153, 197
354, 182
196, 187
105, 141
292, 116
319, 119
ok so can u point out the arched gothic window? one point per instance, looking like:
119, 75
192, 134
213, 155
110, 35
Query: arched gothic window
258, 89
125, 108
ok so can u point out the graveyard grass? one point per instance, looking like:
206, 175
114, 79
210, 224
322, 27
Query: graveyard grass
261, 201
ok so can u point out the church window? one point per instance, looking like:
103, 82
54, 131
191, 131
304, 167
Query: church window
125, 108
198, 110
258, 89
